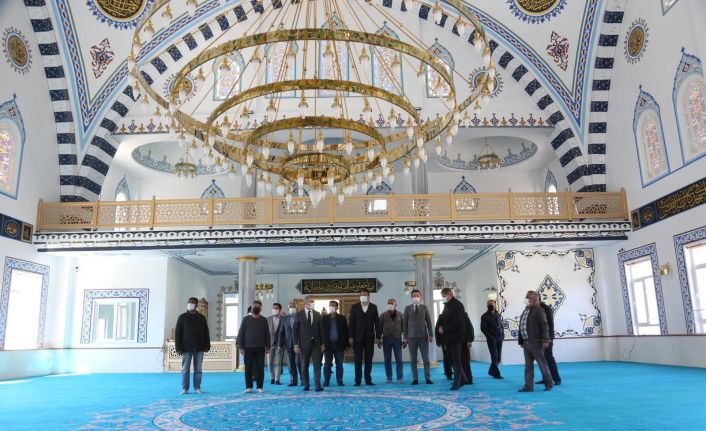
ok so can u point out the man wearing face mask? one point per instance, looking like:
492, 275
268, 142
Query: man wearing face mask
336, 340
365, 330
453, 330
254, 341
286, 341
534, 338
391, 321
491, 325
418, 333
191, 340
274, 359
309, 341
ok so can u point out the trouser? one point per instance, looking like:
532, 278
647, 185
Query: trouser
388, 346
423, 345
254, 366
363, 348
495, 347
453, 351
466, 362
294, 362
330, 354
551, 362
274, 362
535, 352
448, 368
186, 359
311, 354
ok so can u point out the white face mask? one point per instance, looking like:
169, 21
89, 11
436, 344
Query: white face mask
527, 302
445, 299
363, 299
332, 310
191, 306
310, 306
275, 312
391, 307
417, 300
292, 310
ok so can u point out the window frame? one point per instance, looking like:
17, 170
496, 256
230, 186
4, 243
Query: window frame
17, 137
696, 292
87, 320
642, 327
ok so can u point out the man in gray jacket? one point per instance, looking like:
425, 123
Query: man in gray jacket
534, 338
418, 333
391, 321
274, 359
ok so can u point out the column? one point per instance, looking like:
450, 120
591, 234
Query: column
246, 283
423, 275
419, 180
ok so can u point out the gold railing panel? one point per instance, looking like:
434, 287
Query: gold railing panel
271, 211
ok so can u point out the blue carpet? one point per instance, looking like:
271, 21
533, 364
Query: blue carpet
593, 396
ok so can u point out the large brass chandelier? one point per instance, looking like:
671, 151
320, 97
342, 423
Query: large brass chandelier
355, 136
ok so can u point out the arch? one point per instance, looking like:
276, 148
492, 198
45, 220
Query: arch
550, 184
689, 99
275, 55
12, 140
444, 55
649, 139
381, 58
337, 69
122, 191
213, 191
382, 189
230, 83
464, 187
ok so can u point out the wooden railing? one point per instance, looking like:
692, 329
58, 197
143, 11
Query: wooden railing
376, 209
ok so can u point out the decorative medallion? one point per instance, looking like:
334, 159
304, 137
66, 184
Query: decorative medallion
477, 76
16, 49
536, 11
558, 49
101, 56
187, 81
121, 14
333, 261
636, 41
551, 294
511, 158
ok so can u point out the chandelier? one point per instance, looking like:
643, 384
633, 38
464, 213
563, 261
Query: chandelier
440, 282
409, 286
263, 290
487, 158
306, 109
186, 168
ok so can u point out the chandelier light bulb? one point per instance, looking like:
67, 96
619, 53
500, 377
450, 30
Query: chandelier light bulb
149, 29
266, 152
336, 103
391, 176
328, 52
290, 143
486, 56
406, 166
245, 114
364, 57
423, 155
348, 144
224, 67
271, 108
225, 126
420, 73
477, 42
281, 187
210, 156
144, 105
439, 86
485, 97
437, 12
249, 159
449, 139
191, 6
383, 160
369, 174
231, 172
490, 85
420, 141
395, 66
248, 178
136, 43
341, 198
167, 15
491, 71
268, 185
416, 160
183, 91
255, 59
291, 54
461, 27
320, 141
391, 119
288, 197
371, 153
329, 181
466, 119
200, 77
410, 128
131, 63
364, 185
300, 180
453, 130
367, 110
181, 139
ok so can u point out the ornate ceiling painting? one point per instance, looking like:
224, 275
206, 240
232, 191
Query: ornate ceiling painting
16, 49
506, 23
636, 40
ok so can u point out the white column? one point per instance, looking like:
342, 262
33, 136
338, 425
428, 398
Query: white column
419, 180
246, 283
423, 275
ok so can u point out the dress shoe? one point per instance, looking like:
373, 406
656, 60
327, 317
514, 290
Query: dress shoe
326, 384
277, 382
357, 384
319, 389
272, 382
429, 382
414, 382
548, 388
449, 377
292, 384
306, 389
557, 383
388, 381
498, 377
370, 384
341, 384
525, 390
454, 388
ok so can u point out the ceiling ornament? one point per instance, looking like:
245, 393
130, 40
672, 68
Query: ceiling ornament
558, 49
187, 91
510, 158
487, 159
333, 261
16, 49
121, 14
476, 80
164, 165
636, 40
536, 11
101, 56
310, 140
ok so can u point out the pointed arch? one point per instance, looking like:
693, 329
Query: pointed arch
381, 59
464, 186
649, 139
382, 189
275, 54
689, 99
213, 191
443, 54
227, 84
122, 191
339, 67
12, 140
550, 184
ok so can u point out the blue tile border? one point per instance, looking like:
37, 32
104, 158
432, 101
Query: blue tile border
89, 295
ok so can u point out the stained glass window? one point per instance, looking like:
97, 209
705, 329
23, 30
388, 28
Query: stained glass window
336, 68
383, 76
695, 109
8, 155
227, 84
433, 77
653, 147
277, 67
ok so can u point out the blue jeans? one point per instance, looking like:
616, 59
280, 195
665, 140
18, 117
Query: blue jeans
388, 345
186, 358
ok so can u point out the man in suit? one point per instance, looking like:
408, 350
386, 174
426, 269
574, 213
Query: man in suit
453, 329
549, 351
365, 330
534, 338
491, 325
418, 333
336, 341
309, 341
466, 351
274, 359
286, 341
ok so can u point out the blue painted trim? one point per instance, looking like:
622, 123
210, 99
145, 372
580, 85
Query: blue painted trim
639, 111
682, 241
89, 295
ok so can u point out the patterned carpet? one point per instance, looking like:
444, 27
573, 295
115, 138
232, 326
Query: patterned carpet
592, 396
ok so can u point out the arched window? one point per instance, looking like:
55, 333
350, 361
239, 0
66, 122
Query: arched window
228, 84
550, 185
213, 192
689, 98
382, 58
444, 55
649, 137
122, 191
465, 204
378, 206
337, 68
12, 137
277, 67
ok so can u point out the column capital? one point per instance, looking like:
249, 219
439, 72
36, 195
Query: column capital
423, 255
247, 258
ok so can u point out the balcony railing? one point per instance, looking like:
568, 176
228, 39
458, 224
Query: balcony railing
376, 209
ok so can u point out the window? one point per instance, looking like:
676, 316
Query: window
277, 67
114, 320
643, 297
433, 78
382, 58
10, 154
696, 269
227, 84
465, 204
230, 303
649, 137
122, 213
378, 206
695, 108
23, 305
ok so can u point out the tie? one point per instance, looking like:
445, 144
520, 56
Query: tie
309, 317
416, 308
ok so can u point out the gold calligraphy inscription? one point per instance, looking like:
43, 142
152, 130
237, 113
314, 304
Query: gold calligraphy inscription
338, 285
122, 10
17, 50
537, 7
682, 200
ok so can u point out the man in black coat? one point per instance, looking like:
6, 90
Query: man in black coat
453, 329
336, 340
466, 351
309, 342
549, 351
364, 331
192, 341
491, 325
